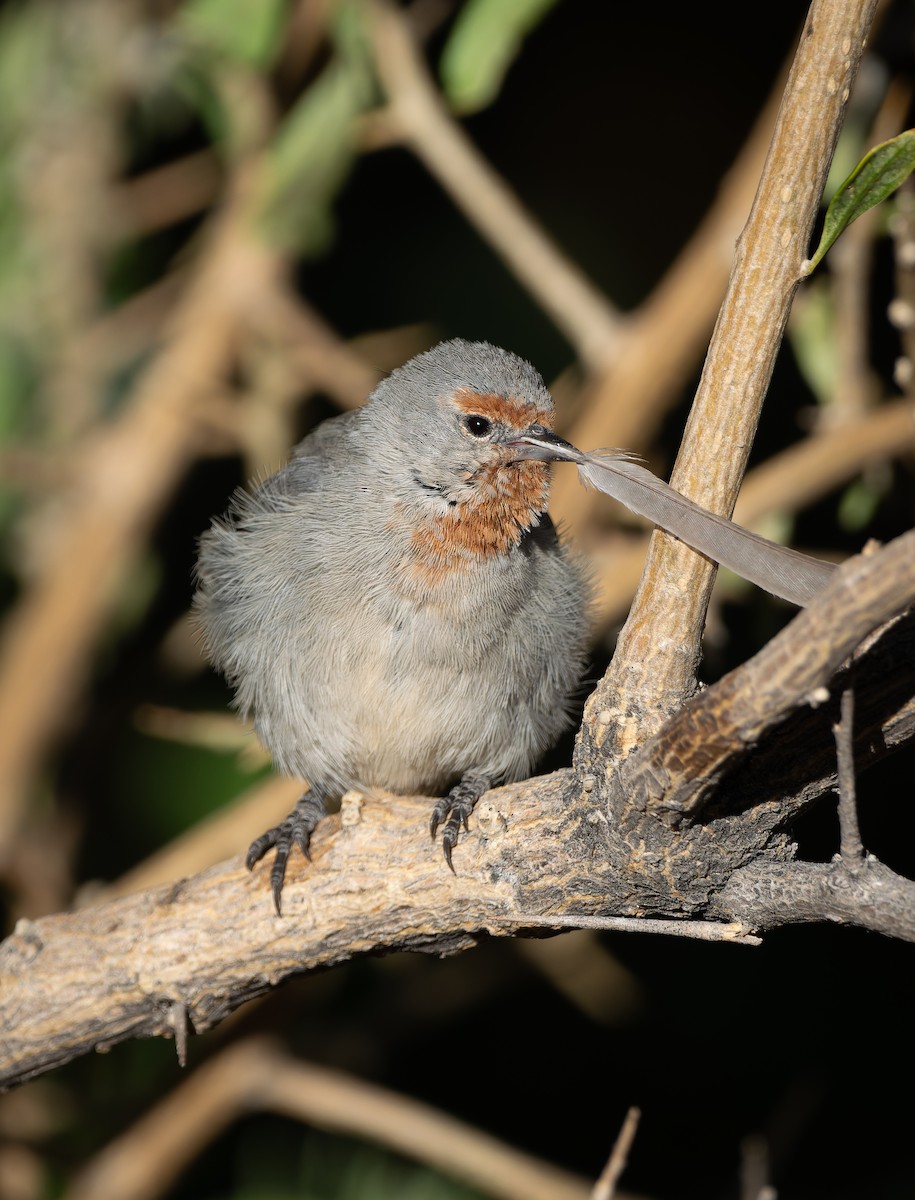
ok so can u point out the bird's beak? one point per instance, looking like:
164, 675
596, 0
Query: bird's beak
541, 443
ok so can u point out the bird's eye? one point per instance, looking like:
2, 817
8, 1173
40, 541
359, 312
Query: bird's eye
477, 425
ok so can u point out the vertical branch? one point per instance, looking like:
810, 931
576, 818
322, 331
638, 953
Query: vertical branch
850, 845
657, 654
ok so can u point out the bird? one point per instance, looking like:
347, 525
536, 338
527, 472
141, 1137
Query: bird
394, 607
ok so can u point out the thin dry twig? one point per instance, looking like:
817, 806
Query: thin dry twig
851, 846
605, 1188
703, 931
177, 1019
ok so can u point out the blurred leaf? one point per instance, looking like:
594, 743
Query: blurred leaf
858, 504
812, 333
223, 47
484, 42
192, 79
876, 176
314, 152
337, 1167
17, 385
27, 47
247, 31
27, 36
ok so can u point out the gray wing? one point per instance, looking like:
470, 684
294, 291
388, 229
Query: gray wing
255, 555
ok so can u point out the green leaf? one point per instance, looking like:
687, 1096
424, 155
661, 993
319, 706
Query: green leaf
859, 503
876, 176
812, 333
484, 42
314, 150
246, 31
311, 158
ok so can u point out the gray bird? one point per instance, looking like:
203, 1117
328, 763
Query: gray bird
393, 607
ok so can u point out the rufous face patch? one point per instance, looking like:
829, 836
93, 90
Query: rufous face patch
508, 500
514, 411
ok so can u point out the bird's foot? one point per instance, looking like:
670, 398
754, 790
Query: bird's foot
454, 809
296, 829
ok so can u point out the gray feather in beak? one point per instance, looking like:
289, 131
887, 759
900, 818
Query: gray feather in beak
777, 569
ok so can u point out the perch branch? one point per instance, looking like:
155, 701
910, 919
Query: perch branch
868, 895
75, 981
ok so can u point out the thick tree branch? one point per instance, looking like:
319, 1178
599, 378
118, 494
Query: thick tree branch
867, 894
560, 851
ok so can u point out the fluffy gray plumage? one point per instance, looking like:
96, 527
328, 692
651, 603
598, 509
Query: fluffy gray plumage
360, 669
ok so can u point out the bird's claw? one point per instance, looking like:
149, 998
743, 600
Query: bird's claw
453, 811
296, 829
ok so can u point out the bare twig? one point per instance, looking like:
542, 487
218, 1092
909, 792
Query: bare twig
605, 1188
177, 1019
851, 846
902, 309
703, 931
